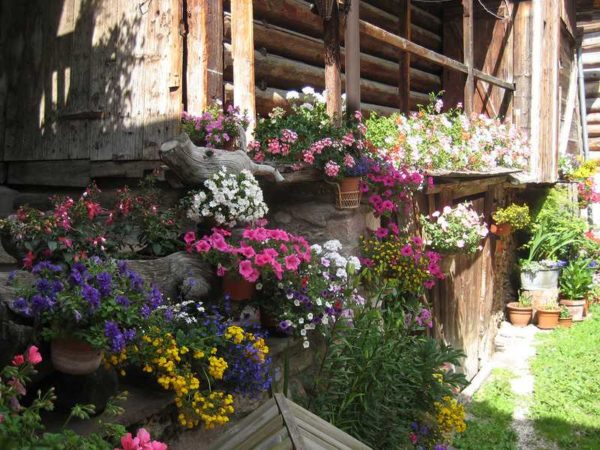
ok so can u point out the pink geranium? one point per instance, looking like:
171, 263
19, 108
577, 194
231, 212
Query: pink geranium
18, 360
332, 169
33, 355
292, 262
142, 441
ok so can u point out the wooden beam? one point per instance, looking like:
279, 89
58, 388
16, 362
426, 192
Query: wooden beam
352, 57
468, 55
242, 43
333, 79
422, 52
205, 54
404, 59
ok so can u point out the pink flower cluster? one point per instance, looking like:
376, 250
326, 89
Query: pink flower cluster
332, 169
258, 252
32, 356
316, 148
275, 146
391, 187
141, 441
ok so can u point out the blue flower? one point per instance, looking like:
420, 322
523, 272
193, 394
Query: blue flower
154, 298
122, 267
135, 280
92, 295
104, 280
20, 304
122, 300
45, 266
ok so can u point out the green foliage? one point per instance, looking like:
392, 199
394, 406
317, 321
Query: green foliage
377, 378
489, 426
564, 312
517, 216
566, 405
576, 279
525, 299
381, 130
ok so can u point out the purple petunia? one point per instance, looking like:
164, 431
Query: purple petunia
122, 300
154, 298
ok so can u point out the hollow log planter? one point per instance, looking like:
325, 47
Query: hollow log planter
193, 164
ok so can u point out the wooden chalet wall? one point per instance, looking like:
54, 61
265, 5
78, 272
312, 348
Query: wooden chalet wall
289, 53
588, 23
87, 88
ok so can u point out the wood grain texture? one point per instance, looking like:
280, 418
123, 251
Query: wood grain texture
242, 43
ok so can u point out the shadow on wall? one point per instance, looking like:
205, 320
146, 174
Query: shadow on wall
86, 79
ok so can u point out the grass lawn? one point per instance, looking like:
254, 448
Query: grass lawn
490, 416
566, 407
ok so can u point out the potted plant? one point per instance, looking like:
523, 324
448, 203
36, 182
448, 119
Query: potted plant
258, 253
519, 312
547, 316
215, 128
575, 284
540, 274
513, 217
565, 320
228, 199
95, 307
454, 230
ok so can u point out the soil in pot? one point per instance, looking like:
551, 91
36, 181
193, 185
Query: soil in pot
518, 315
565, 323
547, 319
74, 357
238, 289
576, 308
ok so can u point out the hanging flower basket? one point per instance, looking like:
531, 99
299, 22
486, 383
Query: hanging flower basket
237, 288
74, 357
348, 193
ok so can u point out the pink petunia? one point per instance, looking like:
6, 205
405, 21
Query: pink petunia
246, 251
262, 260
189, 237
248, 271
381, 232
33, 355
292, 262
202, 246
406, 250
18, 360
429, 284
221, 271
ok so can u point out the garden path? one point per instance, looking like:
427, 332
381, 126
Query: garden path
515, 347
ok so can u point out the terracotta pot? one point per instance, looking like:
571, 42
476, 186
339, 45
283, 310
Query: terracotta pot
229, 145
503, 229
547, 319
349, 184
237, 288
565, 323
74, 357
519, 316
575, 307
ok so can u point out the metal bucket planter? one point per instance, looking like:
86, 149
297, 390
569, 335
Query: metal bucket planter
539, 279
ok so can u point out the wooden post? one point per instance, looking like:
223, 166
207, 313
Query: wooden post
468, 54
404, 60
242, 43
205, 54
352, 48
333, 79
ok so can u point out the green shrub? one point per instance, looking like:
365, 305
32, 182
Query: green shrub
517, 216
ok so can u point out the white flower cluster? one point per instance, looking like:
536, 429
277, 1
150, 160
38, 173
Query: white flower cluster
336, 264
180, 311
458, 229
229, 198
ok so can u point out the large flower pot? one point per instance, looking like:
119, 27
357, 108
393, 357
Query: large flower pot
539, 279
237, 288
566, 322
547, 319
576, 308
74, 357
503, 229
518, 315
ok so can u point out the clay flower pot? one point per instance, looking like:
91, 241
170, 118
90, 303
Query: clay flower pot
576, 308
349, 184
503, 229
547, 319
74, 357
518, 315
566, 322
349, 194
237, 288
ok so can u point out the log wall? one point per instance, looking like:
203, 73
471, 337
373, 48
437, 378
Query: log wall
588, 23
289, 53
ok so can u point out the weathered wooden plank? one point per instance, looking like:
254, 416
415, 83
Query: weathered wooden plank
522, 66
242, 43
333, 79
405, 31
592, 105
289, 421
352, 58
75, 173
468, 57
